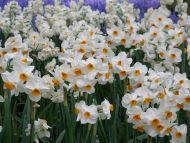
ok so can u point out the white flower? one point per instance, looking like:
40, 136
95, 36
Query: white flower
138, 71
106, 108
87, 114
35, 87
40, 129
179, 134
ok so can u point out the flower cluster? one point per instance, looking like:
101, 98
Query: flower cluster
55, 52
90, 114
40, 130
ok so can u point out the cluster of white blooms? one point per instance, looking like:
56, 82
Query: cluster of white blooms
40, 130
53, 51
90, 114
153, 106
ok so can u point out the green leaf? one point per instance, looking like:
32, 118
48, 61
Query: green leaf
59, 139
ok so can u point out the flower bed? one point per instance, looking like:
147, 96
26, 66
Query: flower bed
74, 75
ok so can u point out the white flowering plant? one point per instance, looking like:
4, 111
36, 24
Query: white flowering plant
74, 75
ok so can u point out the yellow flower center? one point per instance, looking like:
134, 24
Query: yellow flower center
87, 115
77, 110
36, 92
107, 75
178, 135
140, 129
55, 82
133, 103
159, 128
115, 33
155, 122
168, 115
111, 108
90, 67
123, 73
137, 117
64, 75
14, 50
105, 51
9, 85
23, 77
187, 99
137, 73
173, 56
88, 87
77, 71
123, 41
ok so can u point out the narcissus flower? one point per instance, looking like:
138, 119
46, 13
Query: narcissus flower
35, 87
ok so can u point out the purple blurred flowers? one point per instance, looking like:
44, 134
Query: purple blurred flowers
144, 5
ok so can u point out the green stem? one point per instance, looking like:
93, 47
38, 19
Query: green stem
33, 116
88, 132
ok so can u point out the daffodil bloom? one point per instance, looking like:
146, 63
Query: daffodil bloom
106, 108
179, 134
35, 87
40, 129
88, 114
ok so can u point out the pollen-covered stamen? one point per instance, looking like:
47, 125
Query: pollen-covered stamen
169, 130
75, 87
81, 50
161, 54
25, 52
133, 103
181, 82
173, 56
36, 92
83, 42
160, 19
168, 115
147, 100
115, 33
24, 60
90, 67
87, 115
137, 117
77, 71
109, 42
180, 106
77, 110
187, 99
166, 27
137, 73
111, 107
123, 73
159, 128
105, 51
23, 77
155, 122
161, 95
154, 34
142, 42
55, 82
88, 87
64, 75
178, 135
107, 75
14, 49
140, 129
119, 63
123, 41
9, 85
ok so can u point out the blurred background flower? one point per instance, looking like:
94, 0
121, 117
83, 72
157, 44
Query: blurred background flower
142, 5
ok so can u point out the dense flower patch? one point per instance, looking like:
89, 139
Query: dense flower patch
94, 76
